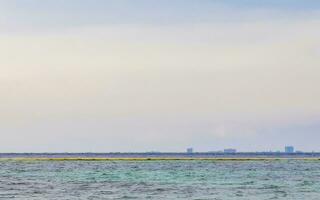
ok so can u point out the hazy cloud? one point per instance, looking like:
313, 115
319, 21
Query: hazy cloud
117, 83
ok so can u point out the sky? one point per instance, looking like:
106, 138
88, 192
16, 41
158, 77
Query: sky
147, 75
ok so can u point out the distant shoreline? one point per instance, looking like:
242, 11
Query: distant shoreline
164, 154
158, 156
152, 159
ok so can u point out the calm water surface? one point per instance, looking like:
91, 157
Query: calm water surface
291, 179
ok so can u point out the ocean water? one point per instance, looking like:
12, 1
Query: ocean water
249, 180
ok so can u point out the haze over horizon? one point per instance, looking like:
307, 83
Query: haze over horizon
146, 75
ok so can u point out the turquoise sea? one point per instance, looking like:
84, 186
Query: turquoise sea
224, 180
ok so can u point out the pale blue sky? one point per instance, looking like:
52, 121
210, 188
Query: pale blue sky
98, 75
61, 13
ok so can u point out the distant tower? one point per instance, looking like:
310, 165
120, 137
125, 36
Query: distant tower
189, 150
289, 149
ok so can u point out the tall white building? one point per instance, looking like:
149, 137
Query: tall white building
289, 149
189, 150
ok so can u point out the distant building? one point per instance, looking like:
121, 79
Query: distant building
289, 149
230, 151
189, 150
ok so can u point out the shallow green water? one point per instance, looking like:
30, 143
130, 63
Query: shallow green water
288, 179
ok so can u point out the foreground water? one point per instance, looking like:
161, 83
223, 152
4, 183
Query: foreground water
250, 180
